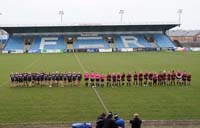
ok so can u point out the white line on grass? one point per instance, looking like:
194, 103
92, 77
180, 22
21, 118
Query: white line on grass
105, 108
94, 89
27, 67
79, 62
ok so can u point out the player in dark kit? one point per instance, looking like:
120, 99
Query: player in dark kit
160, 78
150, 77
79, 78
102, 79
140, 78
173, 78
29, 78
123, 78
57, 78
164, 77
168, 78
108, 77
74, 77
118, 79
50, 80
184, 78
53, 79
128, 78
135, 78
69, 78
64, 79
146, 78
114, 79
155, 78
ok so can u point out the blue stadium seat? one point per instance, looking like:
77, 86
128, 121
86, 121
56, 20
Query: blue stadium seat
36, 44
163, 41
60, 44
118, 42
91, 42
14, 43
143, 42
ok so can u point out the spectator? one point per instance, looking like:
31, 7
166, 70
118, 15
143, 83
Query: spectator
109, 122
100, 120
136, 121
119, 122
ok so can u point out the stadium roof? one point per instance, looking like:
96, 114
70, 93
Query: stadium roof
87, 28
183, 32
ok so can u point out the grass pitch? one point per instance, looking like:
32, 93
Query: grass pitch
19, 105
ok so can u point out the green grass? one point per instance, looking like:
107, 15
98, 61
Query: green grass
69, 104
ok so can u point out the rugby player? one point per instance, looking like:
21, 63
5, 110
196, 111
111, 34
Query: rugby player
102, 79
128, 78
118, 79
146, 78
79, 78
97, 79
108, 77
188, 78
135, 78
92, 78
86, 78
140, 76
114, 79
74, 78
69, 78
123, 78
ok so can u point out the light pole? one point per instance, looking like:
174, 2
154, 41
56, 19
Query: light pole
61, 13
121, 12
180, 11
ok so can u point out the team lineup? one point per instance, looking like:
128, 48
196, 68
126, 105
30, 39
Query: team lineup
92, 79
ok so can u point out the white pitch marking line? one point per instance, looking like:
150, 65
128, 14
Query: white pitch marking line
97, 94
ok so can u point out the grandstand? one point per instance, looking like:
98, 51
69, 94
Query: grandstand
50, 39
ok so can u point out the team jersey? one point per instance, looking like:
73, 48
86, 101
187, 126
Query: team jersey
79, 77
123, 77
92, 76
109, 77
102, 77
135, 76
86, 76
128, 77
74, 76
118, 77
97, 76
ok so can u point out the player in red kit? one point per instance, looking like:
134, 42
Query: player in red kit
145, 78
189, 78
102, 79
135, 78
140, 78
128, 77
118, 79
150, 77
108, 77
173, 78
114, 79
123, 78
168, 78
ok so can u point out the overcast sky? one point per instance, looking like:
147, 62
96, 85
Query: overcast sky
100, 11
